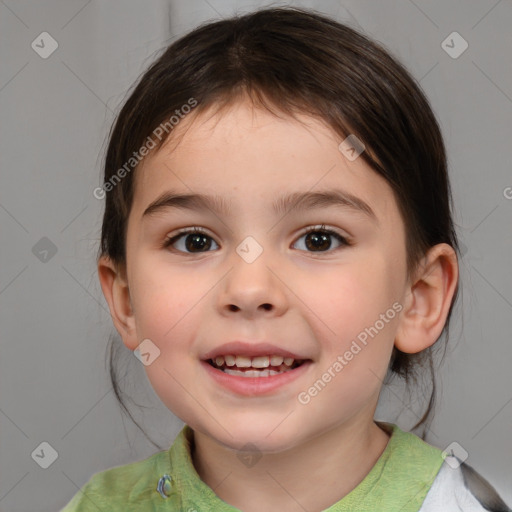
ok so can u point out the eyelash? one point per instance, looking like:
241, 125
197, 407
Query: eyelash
315, 229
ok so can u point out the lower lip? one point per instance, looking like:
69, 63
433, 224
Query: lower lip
251, 386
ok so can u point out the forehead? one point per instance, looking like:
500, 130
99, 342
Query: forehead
244, 152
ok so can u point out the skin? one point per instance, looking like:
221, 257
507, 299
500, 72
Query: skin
319, 302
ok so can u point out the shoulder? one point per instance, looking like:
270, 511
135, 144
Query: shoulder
115, 488
458, 486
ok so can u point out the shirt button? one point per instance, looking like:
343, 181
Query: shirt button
164, 486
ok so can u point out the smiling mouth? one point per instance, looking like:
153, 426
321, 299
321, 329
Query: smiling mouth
261, 366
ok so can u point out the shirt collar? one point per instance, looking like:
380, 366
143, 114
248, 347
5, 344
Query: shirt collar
399, 480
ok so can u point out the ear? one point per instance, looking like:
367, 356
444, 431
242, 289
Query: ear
428, 300
114, 284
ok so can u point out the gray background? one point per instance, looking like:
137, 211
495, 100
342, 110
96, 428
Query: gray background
55, 322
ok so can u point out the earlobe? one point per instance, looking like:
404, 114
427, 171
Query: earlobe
428, 300
114, 284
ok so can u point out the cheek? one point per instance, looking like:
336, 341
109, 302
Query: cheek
169, 306
349, 297
162, 299
357, 321
166, 311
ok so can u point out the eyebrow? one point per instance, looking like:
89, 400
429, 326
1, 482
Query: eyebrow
284, 204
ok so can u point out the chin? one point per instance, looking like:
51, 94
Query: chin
264, 436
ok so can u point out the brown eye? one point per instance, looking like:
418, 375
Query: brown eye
190, 241
320, 239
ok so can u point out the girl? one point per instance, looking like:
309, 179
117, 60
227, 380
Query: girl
277, 238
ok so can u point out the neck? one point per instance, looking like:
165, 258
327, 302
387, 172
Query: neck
337, 461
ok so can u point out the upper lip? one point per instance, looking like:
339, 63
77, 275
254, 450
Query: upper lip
241, 348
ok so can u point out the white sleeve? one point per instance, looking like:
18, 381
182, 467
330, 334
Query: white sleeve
458, 487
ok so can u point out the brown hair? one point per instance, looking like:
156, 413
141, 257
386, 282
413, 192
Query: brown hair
290, 61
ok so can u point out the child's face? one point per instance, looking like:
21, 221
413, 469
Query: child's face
299, 294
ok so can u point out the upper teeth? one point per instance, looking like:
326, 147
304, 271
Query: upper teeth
255, 362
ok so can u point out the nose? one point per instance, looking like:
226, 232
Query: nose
253, 288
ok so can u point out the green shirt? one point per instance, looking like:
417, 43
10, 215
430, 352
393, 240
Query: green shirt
399, 481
